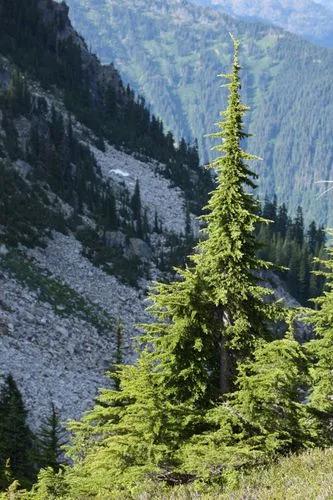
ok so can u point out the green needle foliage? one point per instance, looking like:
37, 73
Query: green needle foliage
128, 435
51, 440
16, 439
227, 256
207, 322
211, 318
264, 417
321, 351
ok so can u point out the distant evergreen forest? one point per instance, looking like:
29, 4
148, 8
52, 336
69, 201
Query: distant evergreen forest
288, 243
287, 84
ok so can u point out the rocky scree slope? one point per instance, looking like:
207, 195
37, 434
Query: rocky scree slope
172, 51
84, 225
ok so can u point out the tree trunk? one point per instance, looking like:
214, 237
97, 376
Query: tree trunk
225, 371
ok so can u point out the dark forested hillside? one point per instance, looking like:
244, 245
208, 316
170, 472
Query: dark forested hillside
57, 102
96, 199
41, 41
290, 244
172, 53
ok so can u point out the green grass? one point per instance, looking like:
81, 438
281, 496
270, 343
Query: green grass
308, 476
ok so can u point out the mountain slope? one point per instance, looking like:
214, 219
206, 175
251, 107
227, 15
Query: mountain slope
171, 52
83, 224
306, 18
87, 218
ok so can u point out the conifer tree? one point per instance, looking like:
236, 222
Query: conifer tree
321, 350
50, 485
119, 343
126, 436
282, 220
211, 318
270, 209
137, 208
207, 322
312, 237
51, 440
298, 229
188, 224
16, 439
109, 218
265, 416
119, 354
304, 276
145, 224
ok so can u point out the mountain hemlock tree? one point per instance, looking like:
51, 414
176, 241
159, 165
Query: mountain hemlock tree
137, 209
207, 321
210, 318
51, 441
16, 439
227, 257
265, 416
321, 351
